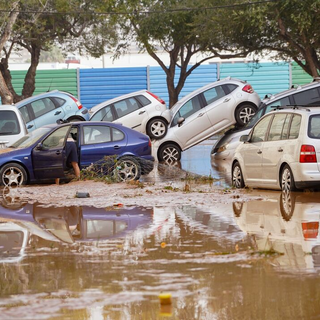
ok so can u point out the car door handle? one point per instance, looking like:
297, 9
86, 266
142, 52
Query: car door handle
259, 152
30, 126
280, 150
200, 115
226, 99
58, 112
142, 112
116, 147
58, 152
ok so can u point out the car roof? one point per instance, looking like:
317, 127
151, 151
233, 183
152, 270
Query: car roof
8, 107
208, 86
124, 96
40, 95
313, 84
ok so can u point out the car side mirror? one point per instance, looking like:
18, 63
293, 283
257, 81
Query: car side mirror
40, 146
244, 138
180, 121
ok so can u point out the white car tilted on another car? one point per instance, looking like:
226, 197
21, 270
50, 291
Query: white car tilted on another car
142, 111
204, 112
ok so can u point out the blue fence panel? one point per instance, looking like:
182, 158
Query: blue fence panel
265, 78
98, 85
201, 76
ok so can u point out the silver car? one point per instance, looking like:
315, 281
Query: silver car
204, 112
142, 111
281, 152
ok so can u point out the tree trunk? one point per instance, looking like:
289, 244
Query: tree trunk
30, 78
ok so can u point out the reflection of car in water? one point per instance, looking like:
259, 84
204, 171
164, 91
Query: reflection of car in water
287, 223
65, 224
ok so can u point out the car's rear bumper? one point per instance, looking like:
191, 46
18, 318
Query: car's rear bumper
307, 184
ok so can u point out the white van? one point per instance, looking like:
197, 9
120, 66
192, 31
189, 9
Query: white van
12, 125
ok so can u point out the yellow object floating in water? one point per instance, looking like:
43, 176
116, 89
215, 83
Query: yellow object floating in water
163, 245
165, 298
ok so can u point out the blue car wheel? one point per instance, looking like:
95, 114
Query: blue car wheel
13, 174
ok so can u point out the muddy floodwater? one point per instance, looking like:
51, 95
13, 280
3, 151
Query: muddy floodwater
249, 256
247, 260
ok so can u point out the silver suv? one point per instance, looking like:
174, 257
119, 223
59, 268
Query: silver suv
282, 151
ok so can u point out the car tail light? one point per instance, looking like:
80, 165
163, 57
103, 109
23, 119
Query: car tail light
156, 97
310, 229
149, 143
308, 154
248, 88
80, 106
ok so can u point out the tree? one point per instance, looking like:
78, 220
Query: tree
169, 26
287, 28
71, 24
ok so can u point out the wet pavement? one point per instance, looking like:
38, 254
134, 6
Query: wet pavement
247, 260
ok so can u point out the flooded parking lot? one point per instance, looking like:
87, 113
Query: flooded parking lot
256, 259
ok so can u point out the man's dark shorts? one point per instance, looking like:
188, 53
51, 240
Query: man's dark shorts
71, 152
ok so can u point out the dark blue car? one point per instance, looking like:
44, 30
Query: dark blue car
41, 154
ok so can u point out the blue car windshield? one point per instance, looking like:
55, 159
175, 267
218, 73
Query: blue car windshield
30, 138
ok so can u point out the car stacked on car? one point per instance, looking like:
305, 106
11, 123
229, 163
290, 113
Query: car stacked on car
204, 112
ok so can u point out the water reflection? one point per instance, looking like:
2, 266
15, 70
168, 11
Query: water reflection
112, 263
287, 223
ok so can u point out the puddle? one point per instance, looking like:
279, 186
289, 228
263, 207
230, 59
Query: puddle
232, 261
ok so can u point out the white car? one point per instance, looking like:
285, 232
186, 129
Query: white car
308, 95
142, 111
12, 125
204, 112
282, 151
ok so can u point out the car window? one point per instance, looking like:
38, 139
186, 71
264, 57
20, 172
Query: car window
143, 100
9, 123
307, 97
42, 106
25, 113
314, 127
281, 102
56, 139
213, 94
59, 101
126, 106
286, 126
117, 135
30, 138
104, 114
188, 109
231, 87
260, 130
96, 134
276, 127
295, 127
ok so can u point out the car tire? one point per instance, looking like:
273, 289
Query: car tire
127, 169
244, 113
287, 204
169, 153
237, 177
13, 174
75, 119
287, 180
157, 128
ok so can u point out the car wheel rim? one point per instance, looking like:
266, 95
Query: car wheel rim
236, 177
246, 114
170, 155
12, 177
286, 180
127, 170
287, 203
158, 129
